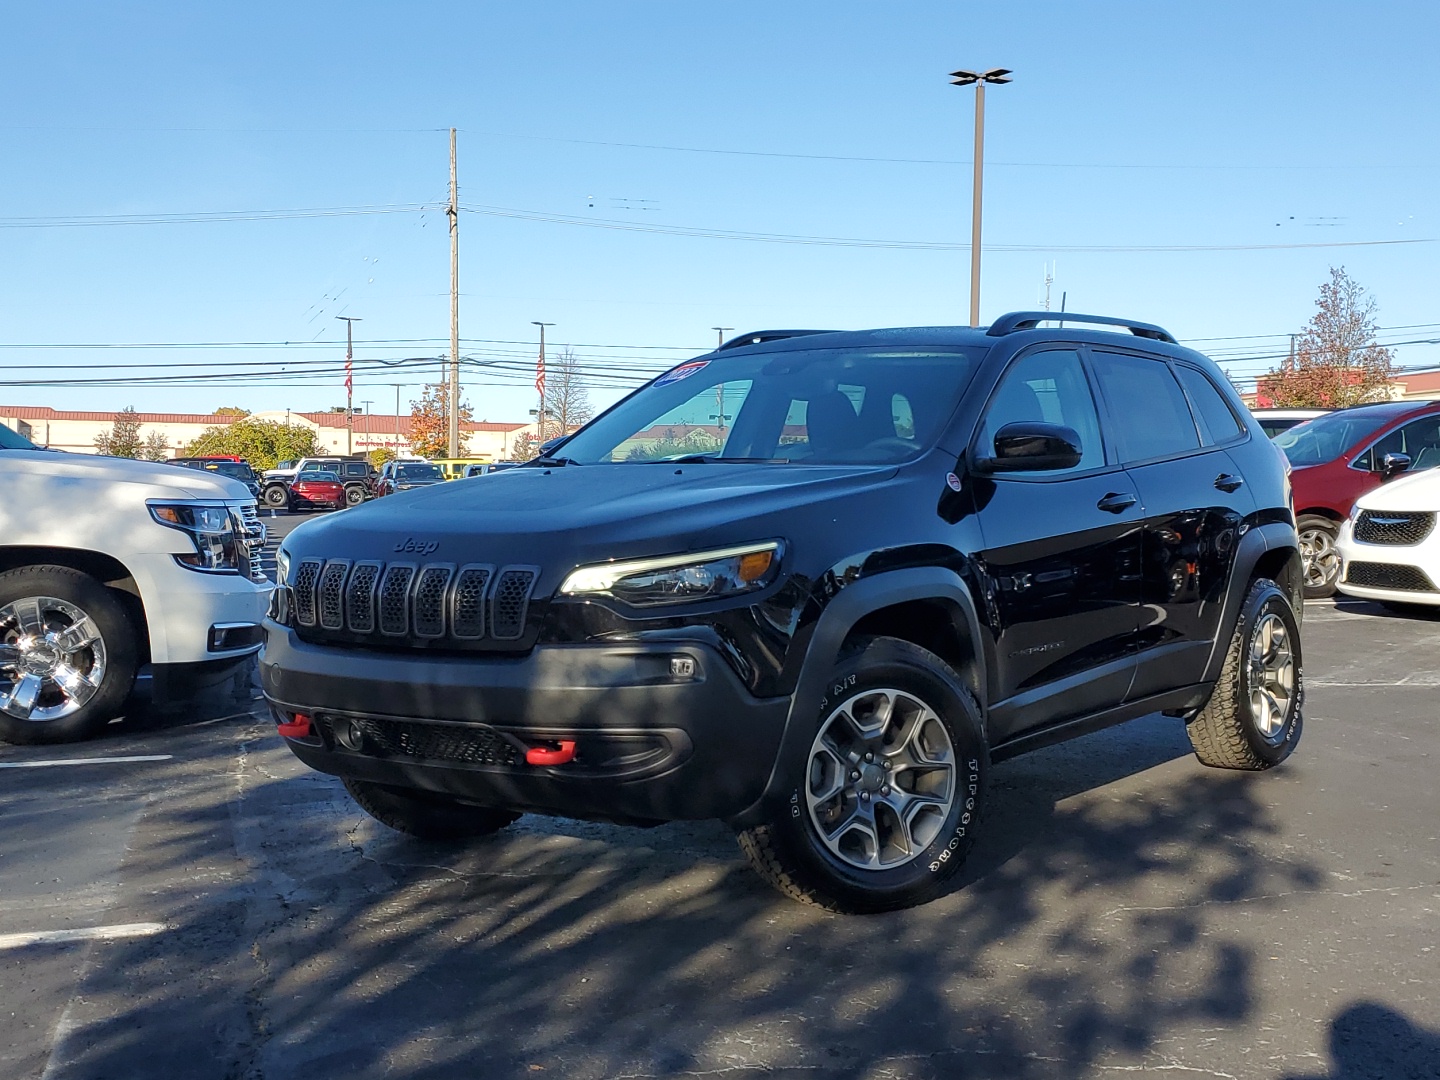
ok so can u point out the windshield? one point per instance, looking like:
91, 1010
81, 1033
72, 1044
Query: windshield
1327, 437
10, 441
411, 473
238, 469
865, 405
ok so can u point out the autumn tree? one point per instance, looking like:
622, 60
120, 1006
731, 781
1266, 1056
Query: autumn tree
523, 447
429, 423
381, 454
155, 448
260, 442
123, 438
1336, 360
230, 410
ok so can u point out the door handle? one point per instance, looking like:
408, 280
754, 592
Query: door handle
1229, 482
1115, 502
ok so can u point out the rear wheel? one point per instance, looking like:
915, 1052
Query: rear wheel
426, 815
354, 495
276, 496
68, 655
1253, 718
1321, 557
887, 805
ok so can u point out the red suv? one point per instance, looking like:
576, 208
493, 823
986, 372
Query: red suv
1340, 456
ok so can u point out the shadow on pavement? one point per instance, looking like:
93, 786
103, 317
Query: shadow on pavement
1371, 1042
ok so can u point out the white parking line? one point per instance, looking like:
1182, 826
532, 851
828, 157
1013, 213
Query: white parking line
82, 761
86, 933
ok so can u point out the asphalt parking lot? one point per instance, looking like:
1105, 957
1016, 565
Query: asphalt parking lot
1126, 911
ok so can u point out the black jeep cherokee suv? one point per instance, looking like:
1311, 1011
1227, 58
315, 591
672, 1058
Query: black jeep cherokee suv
812, 584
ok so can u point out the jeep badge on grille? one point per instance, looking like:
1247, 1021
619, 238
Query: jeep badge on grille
417, 547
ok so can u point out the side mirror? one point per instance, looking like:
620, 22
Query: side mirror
550, 445
1033, 446
1391, 464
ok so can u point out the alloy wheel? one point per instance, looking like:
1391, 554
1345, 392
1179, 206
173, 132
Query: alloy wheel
1272, 675
1320, 556
881, 779
52, 658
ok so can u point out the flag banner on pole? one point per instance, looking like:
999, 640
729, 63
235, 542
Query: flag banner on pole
540, 374
349, 372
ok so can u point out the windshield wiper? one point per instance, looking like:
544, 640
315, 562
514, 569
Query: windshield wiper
697, 459
555, 461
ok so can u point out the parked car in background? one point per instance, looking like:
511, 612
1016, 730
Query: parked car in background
1389, 546
1274, 421
1340, 456
356, 474
317, 488
403, 475
454, 468
233, 467
487, 468
108, 564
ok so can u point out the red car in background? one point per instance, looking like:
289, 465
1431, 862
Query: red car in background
315, 488
1340, 456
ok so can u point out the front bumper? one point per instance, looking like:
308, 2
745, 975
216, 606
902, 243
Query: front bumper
1398, 573
661, 732
184, 608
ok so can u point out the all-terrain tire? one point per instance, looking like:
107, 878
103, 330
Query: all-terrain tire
1255, 715
1317, 547
100, 673
425, 815
354, 495
900, 726
276, 496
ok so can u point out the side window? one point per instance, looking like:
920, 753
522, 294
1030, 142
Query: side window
1150, 414
1420, 439
1217, 422
1049, 386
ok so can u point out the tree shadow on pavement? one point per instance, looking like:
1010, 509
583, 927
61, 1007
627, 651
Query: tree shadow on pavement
1101, 915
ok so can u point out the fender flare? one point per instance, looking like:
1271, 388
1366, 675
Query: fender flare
1273, 536
841, 614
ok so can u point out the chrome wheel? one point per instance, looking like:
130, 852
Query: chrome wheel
1272, 675
52, 658
881, 779
1322, 560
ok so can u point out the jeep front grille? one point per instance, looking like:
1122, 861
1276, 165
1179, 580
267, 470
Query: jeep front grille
1374, 575
1393, 526
423, 603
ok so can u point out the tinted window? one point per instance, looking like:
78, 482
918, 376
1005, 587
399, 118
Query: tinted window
10, 441
1217, 422
1420, 439
419, 472
1049, 386
315, 475
1149, 414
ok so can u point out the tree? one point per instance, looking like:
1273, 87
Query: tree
381, 455
1336, 360
523, 447
260, 442
566, 398
156, 448
123, 439
231, 410
429, 423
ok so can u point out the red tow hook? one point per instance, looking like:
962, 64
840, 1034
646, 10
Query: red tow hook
297, 728
544, 755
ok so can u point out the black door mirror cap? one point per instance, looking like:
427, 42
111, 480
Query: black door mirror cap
1391, 464
1033, 446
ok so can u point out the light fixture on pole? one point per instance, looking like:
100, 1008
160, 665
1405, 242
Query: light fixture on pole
979, 78
540, 383
720, 334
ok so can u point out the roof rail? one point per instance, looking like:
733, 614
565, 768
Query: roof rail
1028, 320
755, 337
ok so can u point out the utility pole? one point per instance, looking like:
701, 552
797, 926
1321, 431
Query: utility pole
540, 384
349, 382
720, 334
978, 79
720, 390
397, 416
368, 425
454, 395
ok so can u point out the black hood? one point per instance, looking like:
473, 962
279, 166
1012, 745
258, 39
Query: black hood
562, 517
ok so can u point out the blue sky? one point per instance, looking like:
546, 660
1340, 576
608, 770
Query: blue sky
618, 162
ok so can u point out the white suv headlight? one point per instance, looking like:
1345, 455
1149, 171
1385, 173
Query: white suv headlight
213, 528
703, 575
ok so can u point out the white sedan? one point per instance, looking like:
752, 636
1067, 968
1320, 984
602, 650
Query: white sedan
1390, 547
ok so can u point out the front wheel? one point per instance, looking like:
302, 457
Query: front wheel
886, 807
68, 655
425, 815
1320, 556
1253, 718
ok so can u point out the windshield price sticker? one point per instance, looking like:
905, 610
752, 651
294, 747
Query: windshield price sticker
684, 371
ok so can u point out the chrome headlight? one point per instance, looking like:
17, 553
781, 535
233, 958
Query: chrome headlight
703, 575
213, 529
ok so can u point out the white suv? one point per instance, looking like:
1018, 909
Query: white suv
107, 564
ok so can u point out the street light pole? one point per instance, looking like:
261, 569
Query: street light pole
540, 384
979, 78
720, 334
349, 320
